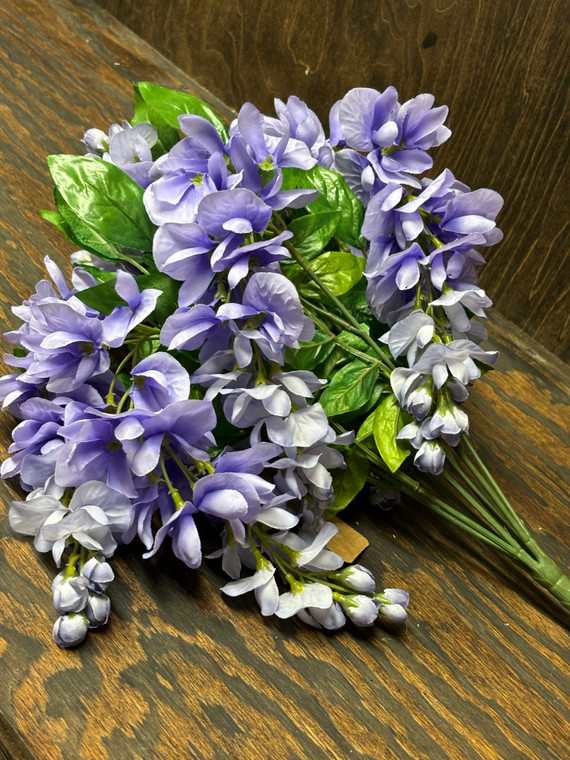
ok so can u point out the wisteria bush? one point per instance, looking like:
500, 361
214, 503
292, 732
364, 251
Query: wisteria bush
262, 321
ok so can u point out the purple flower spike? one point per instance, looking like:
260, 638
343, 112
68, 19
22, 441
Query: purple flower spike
231, 495
454, 303
65, 345
262, 582
302, 123
284, 323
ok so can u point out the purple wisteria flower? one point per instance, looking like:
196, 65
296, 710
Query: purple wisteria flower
185, 425
215, 243
303, 124
126, 146
385, 141
96, 515
65, 345
35, 442
270, 315
159, 380
123, 319
182, 529
262, 583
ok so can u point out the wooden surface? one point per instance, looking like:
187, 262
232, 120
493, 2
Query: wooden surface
500, 65
180, 672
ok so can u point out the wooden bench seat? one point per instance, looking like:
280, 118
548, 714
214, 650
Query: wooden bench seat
181, 672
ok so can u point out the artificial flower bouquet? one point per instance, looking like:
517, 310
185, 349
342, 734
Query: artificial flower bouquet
262, 322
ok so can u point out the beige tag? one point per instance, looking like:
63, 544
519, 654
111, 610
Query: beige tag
349, 543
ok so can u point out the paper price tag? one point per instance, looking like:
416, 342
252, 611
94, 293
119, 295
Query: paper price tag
349, 543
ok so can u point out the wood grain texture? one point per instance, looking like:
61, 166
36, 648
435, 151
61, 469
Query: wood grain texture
500, 66
180, 672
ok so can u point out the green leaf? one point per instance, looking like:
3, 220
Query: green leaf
334, 194
82, 234
310, 353
100, 275
167, 136
168, 302
162, 107
101, 197
312, 232
356, 302
386, 425
85, 236
338, 270
102, 297
355, 341
350, 388
367, 428
348, 483
375, 393
57, 220
336, 356
105, 298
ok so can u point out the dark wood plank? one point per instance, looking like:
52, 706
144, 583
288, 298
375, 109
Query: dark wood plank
500, 66
481, 670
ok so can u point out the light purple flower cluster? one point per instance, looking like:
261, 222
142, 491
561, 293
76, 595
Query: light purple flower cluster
421, 259
120, 410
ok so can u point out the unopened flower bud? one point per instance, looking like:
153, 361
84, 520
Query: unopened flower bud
397, 596
358, 578
99, 574
97, 610
419, 401
395, 613
362, 610
70, 595
70, 630
430, 458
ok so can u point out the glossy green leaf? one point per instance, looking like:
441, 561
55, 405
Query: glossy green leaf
310, 353
168, 302
336, 357
334, 194
350, 388
366, 429
100, 275
348, 483
167, 136
82, 234
356, 302
337, 270
105, 298
102, 297
85, 237
355, 341
312, 232
162, 106
104, 198
386, 425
